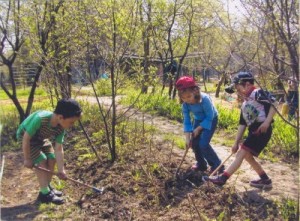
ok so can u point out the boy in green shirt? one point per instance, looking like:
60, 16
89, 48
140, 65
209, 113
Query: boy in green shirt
38, 131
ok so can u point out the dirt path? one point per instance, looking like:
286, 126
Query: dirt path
285, 177
19, 187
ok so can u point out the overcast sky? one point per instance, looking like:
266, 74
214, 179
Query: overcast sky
235, 6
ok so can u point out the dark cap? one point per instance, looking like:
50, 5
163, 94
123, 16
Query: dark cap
242, 77
185, 82
68, 108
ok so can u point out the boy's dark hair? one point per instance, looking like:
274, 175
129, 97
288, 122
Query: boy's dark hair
68, 108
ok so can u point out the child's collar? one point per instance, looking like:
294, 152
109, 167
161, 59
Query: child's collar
250, 91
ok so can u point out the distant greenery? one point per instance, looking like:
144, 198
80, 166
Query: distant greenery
23, 93
284, 138
103, 87
9, 119
154, 103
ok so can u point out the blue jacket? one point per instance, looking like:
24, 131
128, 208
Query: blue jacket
204, 111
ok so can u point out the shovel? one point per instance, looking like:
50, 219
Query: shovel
75, 181
217, 169
184, 155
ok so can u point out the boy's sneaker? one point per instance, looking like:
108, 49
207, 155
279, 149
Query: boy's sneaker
50, 198
56, 192
217, 180
261, 183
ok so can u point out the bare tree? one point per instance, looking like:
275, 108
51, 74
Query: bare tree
277, 21
12, 39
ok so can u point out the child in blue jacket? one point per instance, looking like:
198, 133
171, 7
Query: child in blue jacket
203, 125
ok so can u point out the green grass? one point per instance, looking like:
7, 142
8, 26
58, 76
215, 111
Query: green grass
24, 92
288, 209
178, 141
9, 120
284, 138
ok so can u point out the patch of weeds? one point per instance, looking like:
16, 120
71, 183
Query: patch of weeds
136, 174
179, 141
11, 146
53, 211
228, 118
269, 155
58, 184
288, 209
222, 216
80, 145
87, 156
82, 149
224, 137
154, 168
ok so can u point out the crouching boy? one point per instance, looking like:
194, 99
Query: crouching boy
37, 132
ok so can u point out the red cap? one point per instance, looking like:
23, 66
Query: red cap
185, 82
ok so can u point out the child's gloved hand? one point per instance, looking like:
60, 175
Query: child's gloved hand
28, 163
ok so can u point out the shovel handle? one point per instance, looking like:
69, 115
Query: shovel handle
184, 155
216, 170
186, 150
68, 178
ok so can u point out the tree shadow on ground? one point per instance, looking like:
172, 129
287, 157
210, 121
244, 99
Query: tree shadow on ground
23, 212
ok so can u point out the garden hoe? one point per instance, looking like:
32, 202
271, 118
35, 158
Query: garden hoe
75, 181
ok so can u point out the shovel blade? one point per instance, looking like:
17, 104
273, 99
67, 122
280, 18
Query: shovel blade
101, 190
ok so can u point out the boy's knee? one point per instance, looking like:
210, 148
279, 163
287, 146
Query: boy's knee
249, 156
241, 153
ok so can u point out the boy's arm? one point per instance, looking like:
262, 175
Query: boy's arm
59, 155
26, 150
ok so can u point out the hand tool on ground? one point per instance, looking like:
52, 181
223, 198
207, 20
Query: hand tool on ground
75, 181
217, 169
184, 155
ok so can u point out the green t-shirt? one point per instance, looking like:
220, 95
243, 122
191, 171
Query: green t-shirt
37, 125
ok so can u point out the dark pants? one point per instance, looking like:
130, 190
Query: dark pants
204, 153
